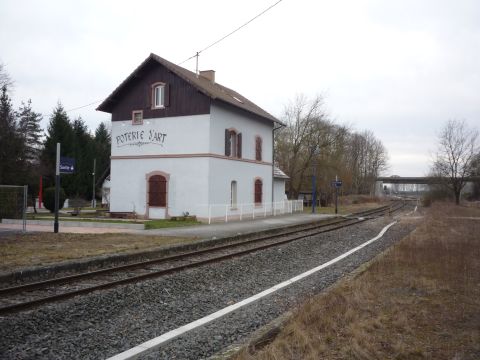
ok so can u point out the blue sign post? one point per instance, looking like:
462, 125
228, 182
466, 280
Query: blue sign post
336, 184
64, 165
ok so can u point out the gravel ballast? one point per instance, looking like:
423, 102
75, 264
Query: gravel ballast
105, 323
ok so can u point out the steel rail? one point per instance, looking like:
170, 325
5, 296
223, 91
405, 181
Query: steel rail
311, 231
66, 279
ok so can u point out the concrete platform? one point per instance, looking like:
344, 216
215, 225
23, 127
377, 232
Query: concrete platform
212, 231
221, 230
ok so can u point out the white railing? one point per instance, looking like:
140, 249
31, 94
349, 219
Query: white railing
227, 212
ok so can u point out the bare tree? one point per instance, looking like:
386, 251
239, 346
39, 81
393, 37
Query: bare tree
5, 79
454, 161
310, 137
296, 144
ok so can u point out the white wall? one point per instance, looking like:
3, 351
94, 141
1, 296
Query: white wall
183, 135
194, 182
279, 189
187, 185
224, 171
223, 119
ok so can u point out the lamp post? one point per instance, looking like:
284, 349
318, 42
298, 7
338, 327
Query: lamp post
94, 204
57, 188
315, 152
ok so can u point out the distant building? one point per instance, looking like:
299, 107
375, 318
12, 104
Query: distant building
183, 143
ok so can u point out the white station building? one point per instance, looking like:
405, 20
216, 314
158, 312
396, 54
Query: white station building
181, 143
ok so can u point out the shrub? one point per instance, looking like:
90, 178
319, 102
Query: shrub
49, 198
11, 203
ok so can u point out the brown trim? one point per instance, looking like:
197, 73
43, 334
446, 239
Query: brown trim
133, 117
180, 156
147, 189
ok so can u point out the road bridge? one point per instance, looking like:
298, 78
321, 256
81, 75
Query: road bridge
415, 181
408, 180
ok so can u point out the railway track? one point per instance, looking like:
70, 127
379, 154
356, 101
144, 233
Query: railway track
18, 298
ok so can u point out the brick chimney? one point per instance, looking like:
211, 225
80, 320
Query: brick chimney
208, 74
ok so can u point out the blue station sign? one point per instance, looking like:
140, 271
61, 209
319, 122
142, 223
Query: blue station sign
67, 165
337, 183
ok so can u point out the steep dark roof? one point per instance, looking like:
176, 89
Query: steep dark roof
211, 89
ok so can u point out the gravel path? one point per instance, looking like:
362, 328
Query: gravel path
105, 323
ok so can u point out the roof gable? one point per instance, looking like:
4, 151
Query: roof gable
211, 89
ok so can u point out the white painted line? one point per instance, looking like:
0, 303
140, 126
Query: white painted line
155, 343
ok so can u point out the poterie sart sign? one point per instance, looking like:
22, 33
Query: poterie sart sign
140, 138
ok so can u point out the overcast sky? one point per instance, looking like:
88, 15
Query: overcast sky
398, 68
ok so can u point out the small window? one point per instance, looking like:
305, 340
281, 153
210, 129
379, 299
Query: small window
137, 117
159, 96
258, 191
258, 148
233, 194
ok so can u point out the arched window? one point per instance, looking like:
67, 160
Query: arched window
233, 194
258, 191
258, 148
157, 191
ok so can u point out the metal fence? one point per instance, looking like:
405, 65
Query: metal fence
227, 212
13, 203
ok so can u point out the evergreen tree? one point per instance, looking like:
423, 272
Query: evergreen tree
83, 152
11, 143
31, 133
102, 152
59, 130
30, 130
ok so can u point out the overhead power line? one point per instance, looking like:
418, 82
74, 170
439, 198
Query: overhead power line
232, 32
83, 106
206, 48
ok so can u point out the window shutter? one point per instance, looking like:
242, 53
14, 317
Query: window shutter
166, 95
149, 97
227, 142
239, 145
258, 149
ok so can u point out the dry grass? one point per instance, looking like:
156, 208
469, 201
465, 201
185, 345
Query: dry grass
421, 300
20, 250
346, 207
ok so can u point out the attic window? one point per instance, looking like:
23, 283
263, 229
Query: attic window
159, 96
137, 117
240, 101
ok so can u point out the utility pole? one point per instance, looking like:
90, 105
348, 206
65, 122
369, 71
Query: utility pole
57, 189
315, 151
93, 184
314, 186
196, 67
336, 194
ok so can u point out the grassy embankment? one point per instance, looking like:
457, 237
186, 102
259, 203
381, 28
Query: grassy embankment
421, 300
348, 204
24, 250
92, 218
